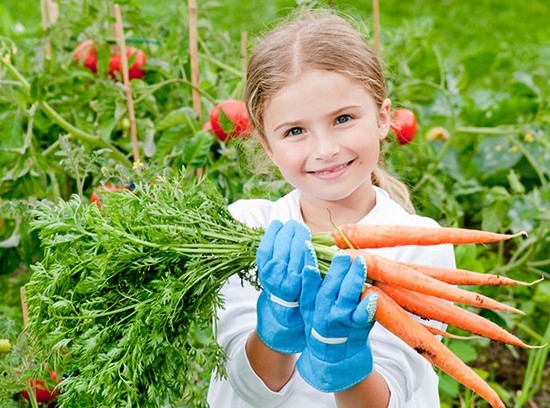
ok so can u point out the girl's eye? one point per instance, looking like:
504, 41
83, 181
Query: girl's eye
343, 118
294, 131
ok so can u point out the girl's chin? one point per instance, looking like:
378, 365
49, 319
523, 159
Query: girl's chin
336, 192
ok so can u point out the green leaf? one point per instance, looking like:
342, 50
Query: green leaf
542, 293
147, 133
226, 124
515, 183
181, 116
196, 149
464, 351
448, 386
494, 155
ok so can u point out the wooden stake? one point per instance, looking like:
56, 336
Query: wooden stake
194, 61
24, 306
376, 21
119, 35
49, 13
194, 57
244, 55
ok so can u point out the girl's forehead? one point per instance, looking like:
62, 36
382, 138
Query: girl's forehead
315, 93
316, 80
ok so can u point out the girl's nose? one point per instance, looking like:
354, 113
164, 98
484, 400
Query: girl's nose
325, 145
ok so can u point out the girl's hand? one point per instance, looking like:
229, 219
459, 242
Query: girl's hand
281, 257
337, 325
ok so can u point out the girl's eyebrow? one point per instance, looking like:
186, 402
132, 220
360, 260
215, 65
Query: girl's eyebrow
286, 125
344, 109
337, 112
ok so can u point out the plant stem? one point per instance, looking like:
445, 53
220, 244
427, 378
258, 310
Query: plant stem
497, 130
94, 141
535, 367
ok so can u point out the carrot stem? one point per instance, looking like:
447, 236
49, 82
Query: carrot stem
390, 315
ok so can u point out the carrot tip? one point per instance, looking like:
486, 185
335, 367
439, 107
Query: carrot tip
534, 282
536, 347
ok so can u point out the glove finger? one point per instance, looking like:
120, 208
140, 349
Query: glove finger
310, 258
264, 253
311, 282
364, 314
352, 284
273, 279
333, 280
282, 247
300, 235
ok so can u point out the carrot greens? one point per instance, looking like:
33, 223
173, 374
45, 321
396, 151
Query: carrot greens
125, 290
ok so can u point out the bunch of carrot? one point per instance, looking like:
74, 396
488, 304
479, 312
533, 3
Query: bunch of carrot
430, 293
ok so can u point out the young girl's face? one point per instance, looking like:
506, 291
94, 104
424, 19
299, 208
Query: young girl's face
323, 132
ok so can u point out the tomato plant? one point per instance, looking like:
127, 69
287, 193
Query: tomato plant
136, 60
85, 55
41, 391
108, 188
229, 118
404, 125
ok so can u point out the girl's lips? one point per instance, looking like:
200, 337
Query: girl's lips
331, 172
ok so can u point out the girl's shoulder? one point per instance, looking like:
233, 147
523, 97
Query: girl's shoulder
388, 211
259, 212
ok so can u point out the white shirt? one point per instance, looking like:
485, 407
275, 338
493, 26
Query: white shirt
411, 379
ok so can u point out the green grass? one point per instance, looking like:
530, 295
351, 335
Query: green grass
458, 25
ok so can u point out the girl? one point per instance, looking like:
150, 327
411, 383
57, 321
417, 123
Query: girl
316, 97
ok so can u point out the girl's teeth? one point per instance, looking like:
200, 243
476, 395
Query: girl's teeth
332, 170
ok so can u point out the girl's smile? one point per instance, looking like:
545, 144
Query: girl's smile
331, 172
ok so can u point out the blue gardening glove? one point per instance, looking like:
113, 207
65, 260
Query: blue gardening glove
338, 324
281, 257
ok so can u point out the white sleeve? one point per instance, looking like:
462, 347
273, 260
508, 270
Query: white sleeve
235, 323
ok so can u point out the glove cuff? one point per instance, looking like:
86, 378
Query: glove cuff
286, 340
337, 376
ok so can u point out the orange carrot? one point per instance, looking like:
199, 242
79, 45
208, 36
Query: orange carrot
430, 307
381, 236
390, 315
465, 277
384, 270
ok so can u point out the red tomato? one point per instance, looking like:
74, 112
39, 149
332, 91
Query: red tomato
229, 119
404, 125
85, 55
134, 71
43, 394
207, 126
94, 198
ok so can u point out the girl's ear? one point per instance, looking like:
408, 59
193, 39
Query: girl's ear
384, 119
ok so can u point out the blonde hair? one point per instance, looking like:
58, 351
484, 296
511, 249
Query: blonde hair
322, 40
